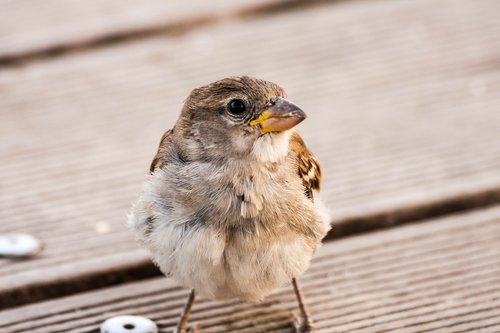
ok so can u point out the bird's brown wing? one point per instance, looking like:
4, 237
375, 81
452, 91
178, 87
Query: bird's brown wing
162, 154
309, 169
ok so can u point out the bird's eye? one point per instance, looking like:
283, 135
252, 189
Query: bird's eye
237, 107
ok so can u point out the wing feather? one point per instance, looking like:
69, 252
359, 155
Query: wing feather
308, 167
161, 156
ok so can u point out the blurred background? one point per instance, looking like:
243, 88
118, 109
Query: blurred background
403, 98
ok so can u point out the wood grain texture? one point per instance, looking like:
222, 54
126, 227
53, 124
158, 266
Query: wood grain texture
402, 97
54, 26
442, 276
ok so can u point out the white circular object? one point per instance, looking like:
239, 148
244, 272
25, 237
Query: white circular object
129, 324
19, 245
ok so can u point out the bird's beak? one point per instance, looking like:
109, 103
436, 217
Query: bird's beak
280, 116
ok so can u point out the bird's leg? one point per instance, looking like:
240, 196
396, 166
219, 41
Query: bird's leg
182, 325
303, 324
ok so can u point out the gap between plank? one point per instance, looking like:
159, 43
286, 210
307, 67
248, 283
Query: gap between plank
168, 29
415, 213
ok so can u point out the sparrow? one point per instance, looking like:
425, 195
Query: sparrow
230, 208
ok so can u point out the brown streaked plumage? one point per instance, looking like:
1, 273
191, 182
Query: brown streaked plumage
309, 169
228, 207
160, 157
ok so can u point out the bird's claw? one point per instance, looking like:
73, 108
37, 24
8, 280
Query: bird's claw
302, 326
196, 328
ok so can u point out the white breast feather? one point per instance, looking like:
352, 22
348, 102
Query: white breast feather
271, 147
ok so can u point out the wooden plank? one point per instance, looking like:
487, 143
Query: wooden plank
29, 28
442, 276
402, 96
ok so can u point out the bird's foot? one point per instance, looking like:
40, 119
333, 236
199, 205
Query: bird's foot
302, 325
182, 326
196, 328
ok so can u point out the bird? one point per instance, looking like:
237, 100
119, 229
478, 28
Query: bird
230, 208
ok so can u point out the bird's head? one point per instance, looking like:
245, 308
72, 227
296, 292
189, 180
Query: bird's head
233, 117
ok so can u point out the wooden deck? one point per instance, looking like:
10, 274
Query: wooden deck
403, 100
440, 276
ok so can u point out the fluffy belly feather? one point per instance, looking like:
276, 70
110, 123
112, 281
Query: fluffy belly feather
220, 268
234, 245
